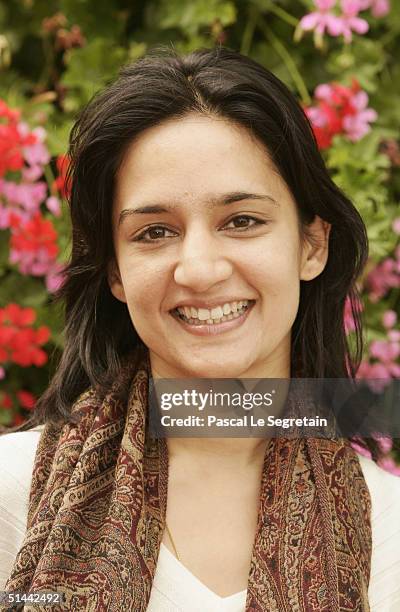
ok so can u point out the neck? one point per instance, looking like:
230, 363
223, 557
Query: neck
226, 453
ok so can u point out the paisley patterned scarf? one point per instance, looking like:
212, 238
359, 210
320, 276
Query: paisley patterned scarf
98, 504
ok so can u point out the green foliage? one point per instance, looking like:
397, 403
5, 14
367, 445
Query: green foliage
88, 70
191, 17
362, 173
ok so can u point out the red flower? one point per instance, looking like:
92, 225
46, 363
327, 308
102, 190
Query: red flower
13, 313
26, 399
11, 140
36, 234
19, 342
63, 182
24, 346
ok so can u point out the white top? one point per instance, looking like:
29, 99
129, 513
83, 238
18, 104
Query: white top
176, 589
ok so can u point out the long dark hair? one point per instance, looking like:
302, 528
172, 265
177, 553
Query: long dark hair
217, 82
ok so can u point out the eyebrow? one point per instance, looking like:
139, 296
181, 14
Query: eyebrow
229, 198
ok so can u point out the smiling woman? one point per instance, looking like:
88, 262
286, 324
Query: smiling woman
209, 241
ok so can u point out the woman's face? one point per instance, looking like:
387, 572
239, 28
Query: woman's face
208, 252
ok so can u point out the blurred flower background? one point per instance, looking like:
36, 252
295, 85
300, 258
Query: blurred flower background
338, 58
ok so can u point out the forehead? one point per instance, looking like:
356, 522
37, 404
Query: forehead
193, 157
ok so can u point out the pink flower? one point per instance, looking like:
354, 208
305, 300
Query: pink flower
389, 318
385, 443
53, 205
37, 153
9, 190
380, 8
32, 195
389, 464
324, 91
396, 226
394, 335
356, 126
55, 277
377, 375
31, 173
386, 352
317, 116
4, 218
361, 450
349, 21
382, 278
2, 373
36, 263
322, 19
394, 369
27, 195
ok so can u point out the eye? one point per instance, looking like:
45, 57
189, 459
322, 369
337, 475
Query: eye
243, 222
152, 234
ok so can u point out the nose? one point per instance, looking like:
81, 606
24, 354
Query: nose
200, 266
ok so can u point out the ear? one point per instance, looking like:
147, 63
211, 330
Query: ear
315, 249
115, 282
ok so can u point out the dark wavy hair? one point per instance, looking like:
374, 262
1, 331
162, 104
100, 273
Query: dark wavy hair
163, 85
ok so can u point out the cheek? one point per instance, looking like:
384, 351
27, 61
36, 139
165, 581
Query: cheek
274, 267
144, 289
275, 276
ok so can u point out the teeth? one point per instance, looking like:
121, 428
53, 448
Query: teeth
203, 314
217, 313
226, 312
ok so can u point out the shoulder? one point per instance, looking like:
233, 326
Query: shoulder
384, 488
17, 454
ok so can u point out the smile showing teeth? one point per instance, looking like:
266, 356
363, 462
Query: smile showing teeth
219, 314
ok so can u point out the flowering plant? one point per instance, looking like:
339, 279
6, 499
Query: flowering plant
28, 206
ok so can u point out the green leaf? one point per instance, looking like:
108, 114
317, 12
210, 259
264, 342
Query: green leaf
193, 15
89, 69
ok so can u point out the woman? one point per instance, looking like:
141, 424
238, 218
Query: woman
208, 241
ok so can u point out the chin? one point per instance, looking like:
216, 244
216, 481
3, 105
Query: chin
217, 369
